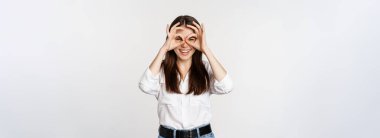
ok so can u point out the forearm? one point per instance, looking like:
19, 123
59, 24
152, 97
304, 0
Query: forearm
156, 63
217, 68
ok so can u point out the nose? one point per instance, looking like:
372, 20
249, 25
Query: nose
184, 45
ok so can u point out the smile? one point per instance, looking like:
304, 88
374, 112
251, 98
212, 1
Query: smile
184, 52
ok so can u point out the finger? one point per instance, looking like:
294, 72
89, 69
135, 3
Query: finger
167, 29
177, 35
189, 36
197, 25
177, 24
195, 47
194, 28
203, 31
172, 34
176, 45
174, 26
173, 31
190, 44
203, 27
192, 34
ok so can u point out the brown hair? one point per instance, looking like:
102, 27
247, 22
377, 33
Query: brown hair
199, 79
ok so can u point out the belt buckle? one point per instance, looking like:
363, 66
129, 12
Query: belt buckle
191, 134
186, 134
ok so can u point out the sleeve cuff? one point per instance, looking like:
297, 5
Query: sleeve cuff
150, 74
225, 85
149, 83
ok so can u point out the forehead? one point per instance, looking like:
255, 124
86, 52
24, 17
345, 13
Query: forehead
184, 30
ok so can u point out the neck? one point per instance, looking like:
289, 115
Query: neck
183, 63
183, 66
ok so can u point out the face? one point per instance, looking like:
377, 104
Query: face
184, 51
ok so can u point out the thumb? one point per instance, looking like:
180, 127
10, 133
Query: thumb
187, 41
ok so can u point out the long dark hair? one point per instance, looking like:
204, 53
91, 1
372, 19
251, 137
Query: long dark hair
199, 79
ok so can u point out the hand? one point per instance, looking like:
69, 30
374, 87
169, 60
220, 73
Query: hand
200, 37
170, 42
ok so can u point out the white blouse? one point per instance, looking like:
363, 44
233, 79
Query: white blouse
182, 111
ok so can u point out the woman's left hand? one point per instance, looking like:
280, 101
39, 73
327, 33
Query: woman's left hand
199, 42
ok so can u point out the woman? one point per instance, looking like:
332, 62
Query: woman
182, 82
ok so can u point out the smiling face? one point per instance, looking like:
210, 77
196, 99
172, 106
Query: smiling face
184, 51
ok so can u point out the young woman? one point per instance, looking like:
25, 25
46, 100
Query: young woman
182, 82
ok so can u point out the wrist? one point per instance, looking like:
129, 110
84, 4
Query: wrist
163, 49
206, 51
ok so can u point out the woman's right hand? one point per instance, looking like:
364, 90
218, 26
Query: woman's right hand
171, 43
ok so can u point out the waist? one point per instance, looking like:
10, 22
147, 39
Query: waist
183, 117
190, 133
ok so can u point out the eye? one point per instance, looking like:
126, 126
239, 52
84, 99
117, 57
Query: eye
178, 38
192, 38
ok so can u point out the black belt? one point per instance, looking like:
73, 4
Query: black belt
169, 133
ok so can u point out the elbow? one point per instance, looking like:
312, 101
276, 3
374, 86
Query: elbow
143, 88
225, 89
228, 87
228, 90
146, 89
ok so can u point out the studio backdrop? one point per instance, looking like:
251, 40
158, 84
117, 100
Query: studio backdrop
301, 68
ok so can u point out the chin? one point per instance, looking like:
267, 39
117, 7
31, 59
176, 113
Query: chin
184, 58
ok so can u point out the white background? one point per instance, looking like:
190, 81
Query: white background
301, 69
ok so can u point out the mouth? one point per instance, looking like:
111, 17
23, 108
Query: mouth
184, 52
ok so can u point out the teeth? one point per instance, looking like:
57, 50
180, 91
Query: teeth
184, 51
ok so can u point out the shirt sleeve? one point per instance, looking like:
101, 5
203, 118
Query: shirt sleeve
223, 86
149, 83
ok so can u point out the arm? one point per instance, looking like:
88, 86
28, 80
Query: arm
156, 63
222, 84
217, 68
168, 45
149, 82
